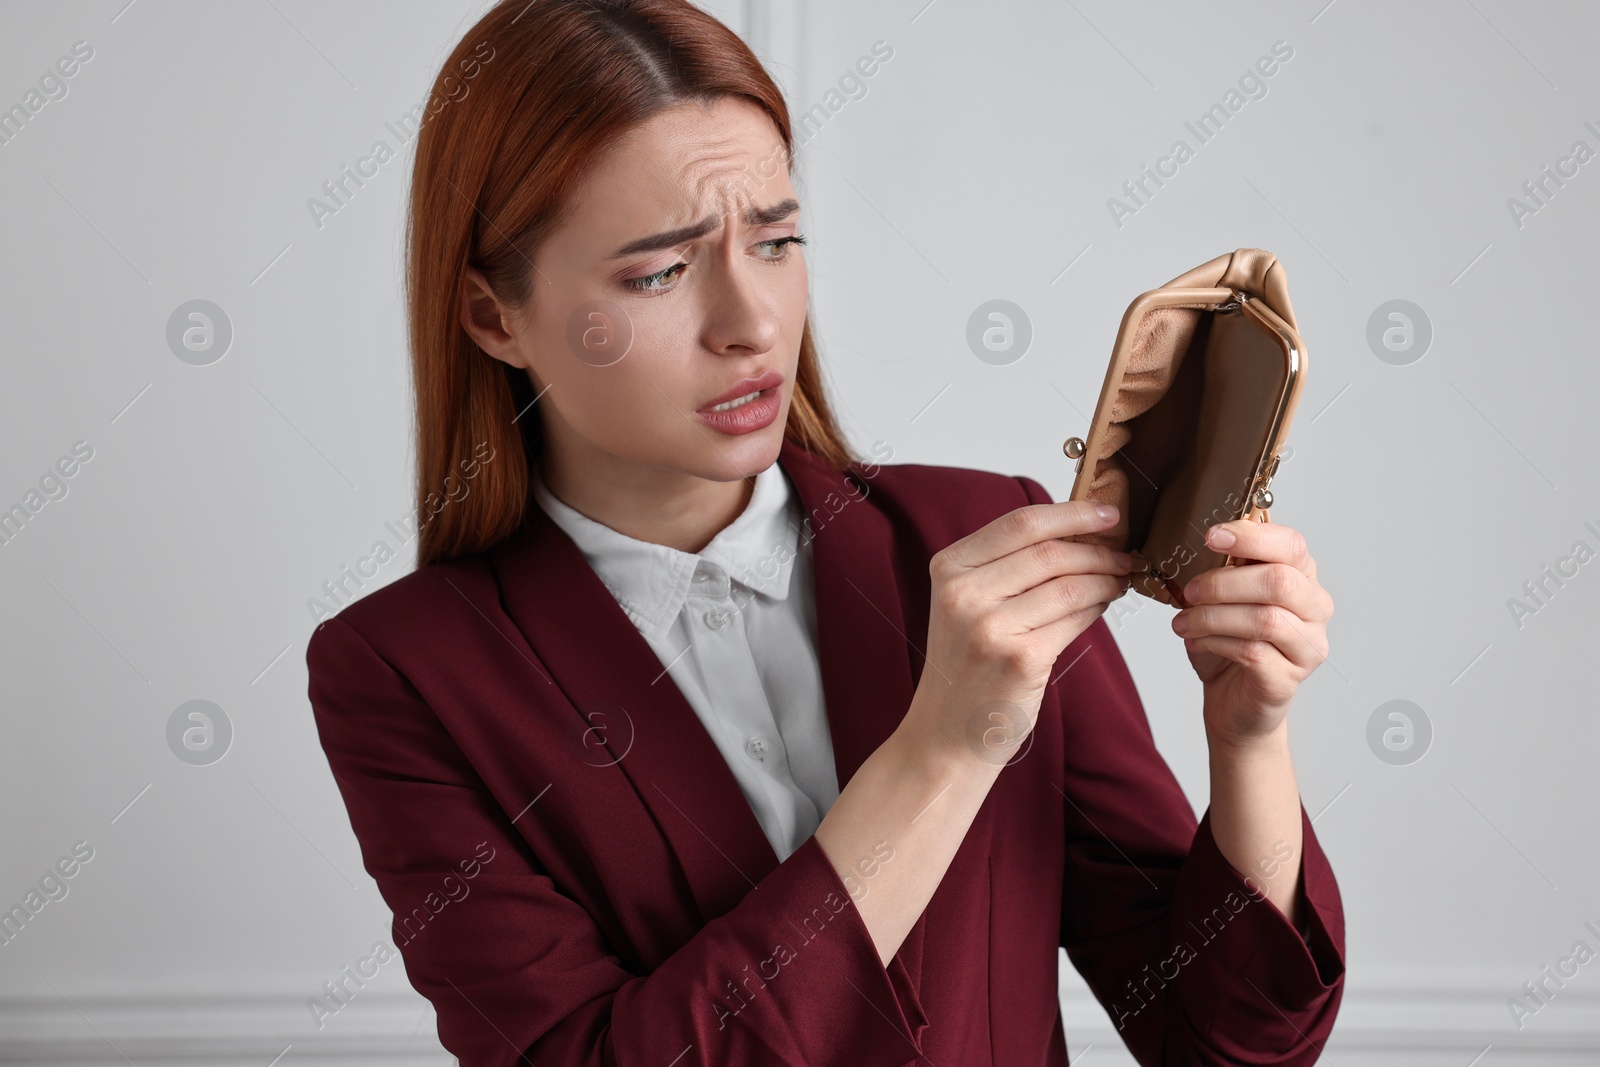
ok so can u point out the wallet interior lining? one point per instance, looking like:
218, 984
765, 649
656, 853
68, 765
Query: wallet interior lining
1154, 416
1188, 424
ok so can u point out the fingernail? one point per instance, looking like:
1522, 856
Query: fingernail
1123, 559
1218, 537
1191, 590
1180, 623
1107, 512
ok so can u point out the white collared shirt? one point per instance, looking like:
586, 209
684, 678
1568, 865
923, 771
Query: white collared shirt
734, 627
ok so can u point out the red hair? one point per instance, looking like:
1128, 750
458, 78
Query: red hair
552, 83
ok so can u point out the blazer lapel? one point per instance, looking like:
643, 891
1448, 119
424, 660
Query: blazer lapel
601, 662
862, 647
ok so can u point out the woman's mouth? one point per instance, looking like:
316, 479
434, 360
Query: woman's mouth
752, 411
743, 400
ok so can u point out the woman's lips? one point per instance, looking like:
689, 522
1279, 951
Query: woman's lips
748, 417
744, 387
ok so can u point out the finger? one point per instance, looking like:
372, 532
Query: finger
1301, 643
1035, 564
1261, 658
1067, 629
1262, 583
1028, 525
1266, 542
1059, 598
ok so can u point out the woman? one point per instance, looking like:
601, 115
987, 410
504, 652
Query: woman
696, 738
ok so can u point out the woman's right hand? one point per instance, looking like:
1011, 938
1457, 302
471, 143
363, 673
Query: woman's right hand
1007, 599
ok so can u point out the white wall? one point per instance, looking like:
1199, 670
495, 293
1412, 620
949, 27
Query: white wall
977, 166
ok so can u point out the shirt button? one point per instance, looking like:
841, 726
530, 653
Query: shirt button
756, 748
716, 619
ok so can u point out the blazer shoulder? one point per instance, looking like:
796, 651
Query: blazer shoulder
424, 597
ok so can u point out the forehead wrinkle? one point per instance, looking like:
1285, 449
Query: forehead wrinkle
713, 175
716, 174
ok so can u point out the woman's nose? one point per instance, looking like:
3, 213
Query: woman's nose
741, 310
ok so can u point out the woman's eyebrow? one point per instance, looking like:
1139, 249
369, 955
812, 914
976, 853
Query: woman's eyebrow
754, 216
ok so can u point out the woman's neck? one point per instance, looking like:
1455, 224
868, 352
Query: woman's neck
681, 511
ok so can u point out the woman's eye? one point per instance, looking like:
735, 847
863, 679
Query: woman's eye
779, 246
651, 283
657, 282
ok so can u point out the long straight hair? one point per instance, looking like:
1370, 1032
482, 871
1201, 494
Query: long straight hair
523, 105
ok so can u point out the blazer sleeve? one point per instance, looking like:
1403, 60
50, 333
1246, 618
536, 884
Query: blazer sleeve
518, 972
1193, 967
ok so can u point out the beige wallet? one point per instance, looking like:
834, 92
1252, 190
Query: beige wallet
1192, 418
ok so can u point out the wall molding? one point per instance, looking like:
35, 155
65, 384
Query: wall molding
1390, 1015
779, 35
379, 1026
1392, 1020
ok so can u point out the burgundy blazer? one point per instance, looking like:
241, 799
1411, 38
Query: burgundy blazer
576, 877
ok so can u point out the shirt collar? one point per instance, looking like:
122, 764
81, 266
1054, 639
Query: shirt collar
650, 581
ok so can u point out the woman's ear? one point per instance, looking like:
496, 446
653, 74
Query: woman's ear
485, 319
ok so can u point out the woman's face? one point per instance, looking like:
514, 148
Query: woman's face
673, 280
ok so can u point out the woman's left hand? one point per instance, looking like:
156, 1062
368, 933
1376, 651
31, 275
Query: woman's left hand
1255, 630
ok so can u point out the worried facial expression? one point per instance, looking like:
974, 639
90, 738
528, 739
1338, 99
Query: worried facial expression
672, 286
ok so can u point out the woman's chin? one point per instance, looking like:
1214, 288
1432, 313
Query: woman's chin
742, 456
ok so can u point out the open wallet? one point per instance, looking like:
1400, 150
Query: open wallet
1192, 418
